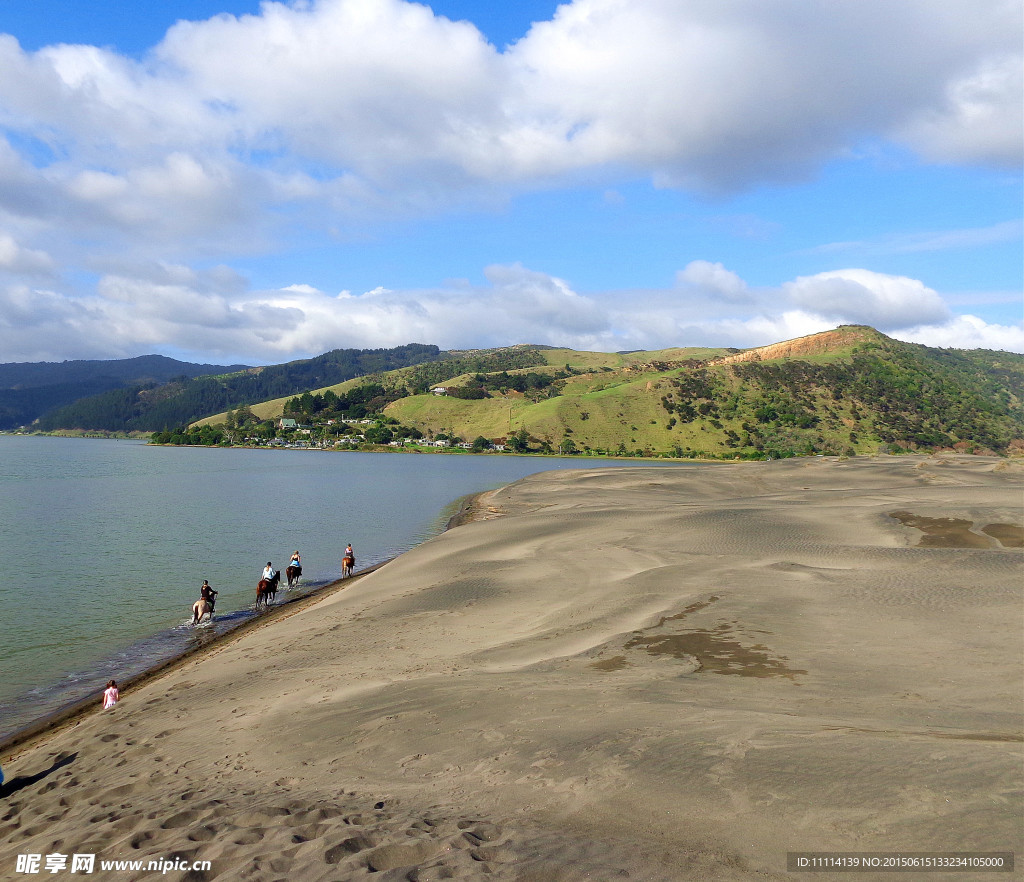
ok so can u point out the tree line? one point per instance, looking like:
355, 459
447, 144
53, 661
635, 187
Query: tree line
156, 407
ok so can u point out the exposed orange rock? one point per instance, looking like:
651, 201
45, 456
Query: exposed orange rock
813, 344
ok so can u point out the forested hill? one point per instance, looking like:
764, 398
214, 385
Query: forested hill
30, 389
848, 391
152, 406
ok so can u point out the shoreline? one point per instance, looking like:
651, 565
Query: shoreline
69, 715
657, 673
467, 511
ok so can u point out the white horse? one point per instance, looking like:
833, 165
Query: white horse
201, 608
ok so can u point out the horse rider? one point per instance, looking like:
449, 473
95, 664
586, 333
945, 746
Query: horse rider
296, 561
268, 571
350, 555
208, 594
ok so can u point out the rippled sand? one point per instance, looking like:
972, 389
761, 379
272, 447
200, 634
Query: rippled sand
646, 673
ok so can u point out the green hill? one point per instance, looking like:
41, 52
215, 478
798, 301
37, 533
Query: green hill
851, 390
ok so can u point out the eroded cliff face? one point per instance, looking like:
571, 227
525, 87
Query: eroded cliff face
813, 344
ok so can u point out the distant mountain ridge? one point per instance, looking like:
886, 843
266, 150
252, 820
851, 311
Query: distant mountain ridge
30, 389
181, 399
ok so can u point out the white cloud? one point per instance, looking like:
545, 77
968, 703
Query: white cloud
715, 280
980, 120
212, 315
864, 297
23, 261
967, 332
348, 101
337, 113
943, 240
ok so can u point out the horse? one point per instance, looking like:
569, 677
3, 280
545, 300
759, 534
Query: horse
266, 590
293, 572
201, 608
347, 563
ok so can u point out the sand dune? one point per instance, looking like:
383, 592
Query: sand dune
650, 673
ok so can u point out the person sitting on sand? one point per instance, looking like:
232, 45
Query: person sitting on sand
208, 594
110, 695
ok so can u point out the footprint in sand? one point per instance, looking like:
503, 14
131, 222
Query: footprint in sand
141, 839
483, 831
493, 853
203, 834
249, 837
350, 846
181, 819
390, 857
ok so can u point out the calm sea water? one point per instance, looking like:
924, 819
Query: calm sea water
105, 543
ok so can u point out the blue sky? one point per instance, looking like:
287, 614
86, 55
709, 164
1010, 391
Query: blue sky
286, 179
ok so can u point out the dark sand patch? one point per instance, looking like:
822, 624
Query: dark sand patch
942, 532
718, 652
1007, 535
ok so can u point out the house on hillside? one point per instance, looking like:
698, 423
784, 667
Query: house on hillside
287, 424
440, 390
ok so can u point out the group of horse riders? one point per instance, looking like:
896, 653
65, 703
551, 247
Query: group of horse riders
267, 588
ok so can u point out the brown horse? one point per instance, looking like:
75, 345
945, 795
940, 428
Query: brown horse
293, 571
266, 590
347, 564
201, 608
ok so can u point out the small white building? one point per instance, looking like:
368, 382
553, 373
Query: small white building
439, 390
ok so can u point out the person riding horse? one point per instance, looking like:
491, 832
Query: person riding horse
348, 561
208, 594
204, 606
294, 569
266, 590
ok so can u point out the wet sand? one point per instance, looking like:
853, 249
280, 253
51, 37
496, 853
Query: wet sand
657, 674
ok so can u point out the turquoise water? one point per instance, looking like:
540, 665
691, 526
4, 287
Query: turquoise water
105, 543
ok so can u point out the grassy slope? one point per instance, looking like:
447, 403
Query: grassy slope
617, 398
599, 410
420, 405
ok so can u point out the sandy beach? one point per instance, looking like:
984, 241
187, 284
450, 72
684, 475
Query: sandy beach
649, 674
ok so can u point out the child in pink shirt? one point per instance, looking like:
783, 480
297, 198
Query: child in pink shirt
110, 695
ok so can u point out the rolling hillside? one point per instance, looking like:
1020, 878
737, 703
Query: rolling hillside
847, 391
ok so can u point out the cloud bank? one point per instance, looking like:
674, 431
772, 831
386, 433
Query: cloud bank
209, 316
334, 114
380, 107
